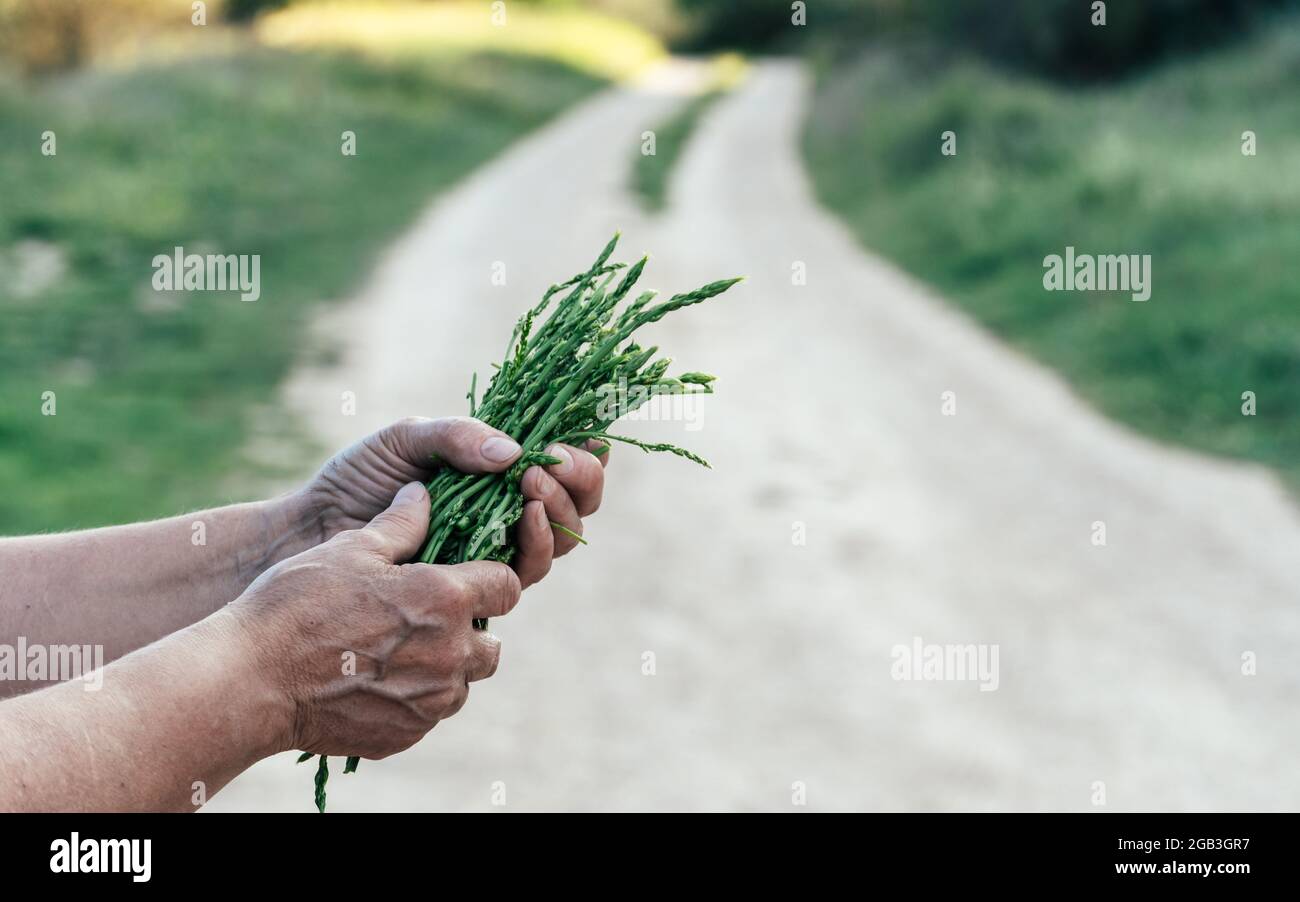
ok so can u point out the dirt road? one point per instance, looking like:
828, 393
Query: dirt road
1118, 664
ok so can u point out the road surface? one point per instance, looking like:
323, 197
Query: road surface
1120, 665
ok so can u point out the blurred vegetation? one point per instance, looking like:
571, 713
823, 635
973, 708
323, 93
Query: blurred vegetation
1151, 166
1052, 37
604, 37
244, 10
600, 45
236, 150
227, 139
50, 35
651, 172
1057, 37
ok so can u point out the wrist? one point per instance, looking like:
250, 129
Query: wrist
262, 709
291, 524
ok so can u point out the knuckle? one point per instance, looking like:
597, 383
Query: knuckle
349, 540
443, 664
447, 588
493, 658
458, 432
397, 437
455, 700
371, 538
417, 589
465, 585
368, 542
391, 746
483, 646
420, 577
431, 595
410, 736
402, 517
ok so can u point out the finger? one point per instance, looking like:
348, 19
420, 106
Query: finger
538, 485
431, 596
484, 656
581, 475
467, 444
493, 587
536, 544
599, 450
397, 533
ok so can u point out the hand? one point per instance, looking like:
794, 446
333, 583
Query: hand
356, 484
367, 656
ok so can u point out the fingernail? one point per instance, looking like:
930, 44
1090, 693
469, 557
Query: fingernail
499, 449
563, 455
412, 491
545, 484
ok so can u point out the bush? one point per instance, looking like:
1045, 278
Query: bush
47, 36
51, 35
243, 10
1058, 38
1053, 37
765, 24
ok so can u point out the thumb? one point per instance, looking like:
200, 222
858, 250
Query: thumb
397, 533
464, 443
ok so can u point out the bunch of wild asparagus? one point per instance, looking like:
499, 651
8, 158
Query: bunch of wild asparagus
568, 383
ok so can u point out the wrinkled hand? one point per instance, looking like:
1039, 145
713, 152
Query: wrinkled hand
358, 483
366, 656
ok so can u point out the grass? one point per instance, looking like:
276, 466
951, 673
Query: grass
1153, 166
651, 172
233, 153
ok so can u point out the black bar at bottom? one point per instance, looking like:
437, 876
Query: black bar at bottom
333, 852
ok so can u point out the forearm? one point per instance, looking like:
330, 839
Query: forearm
171, 725
123, 587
